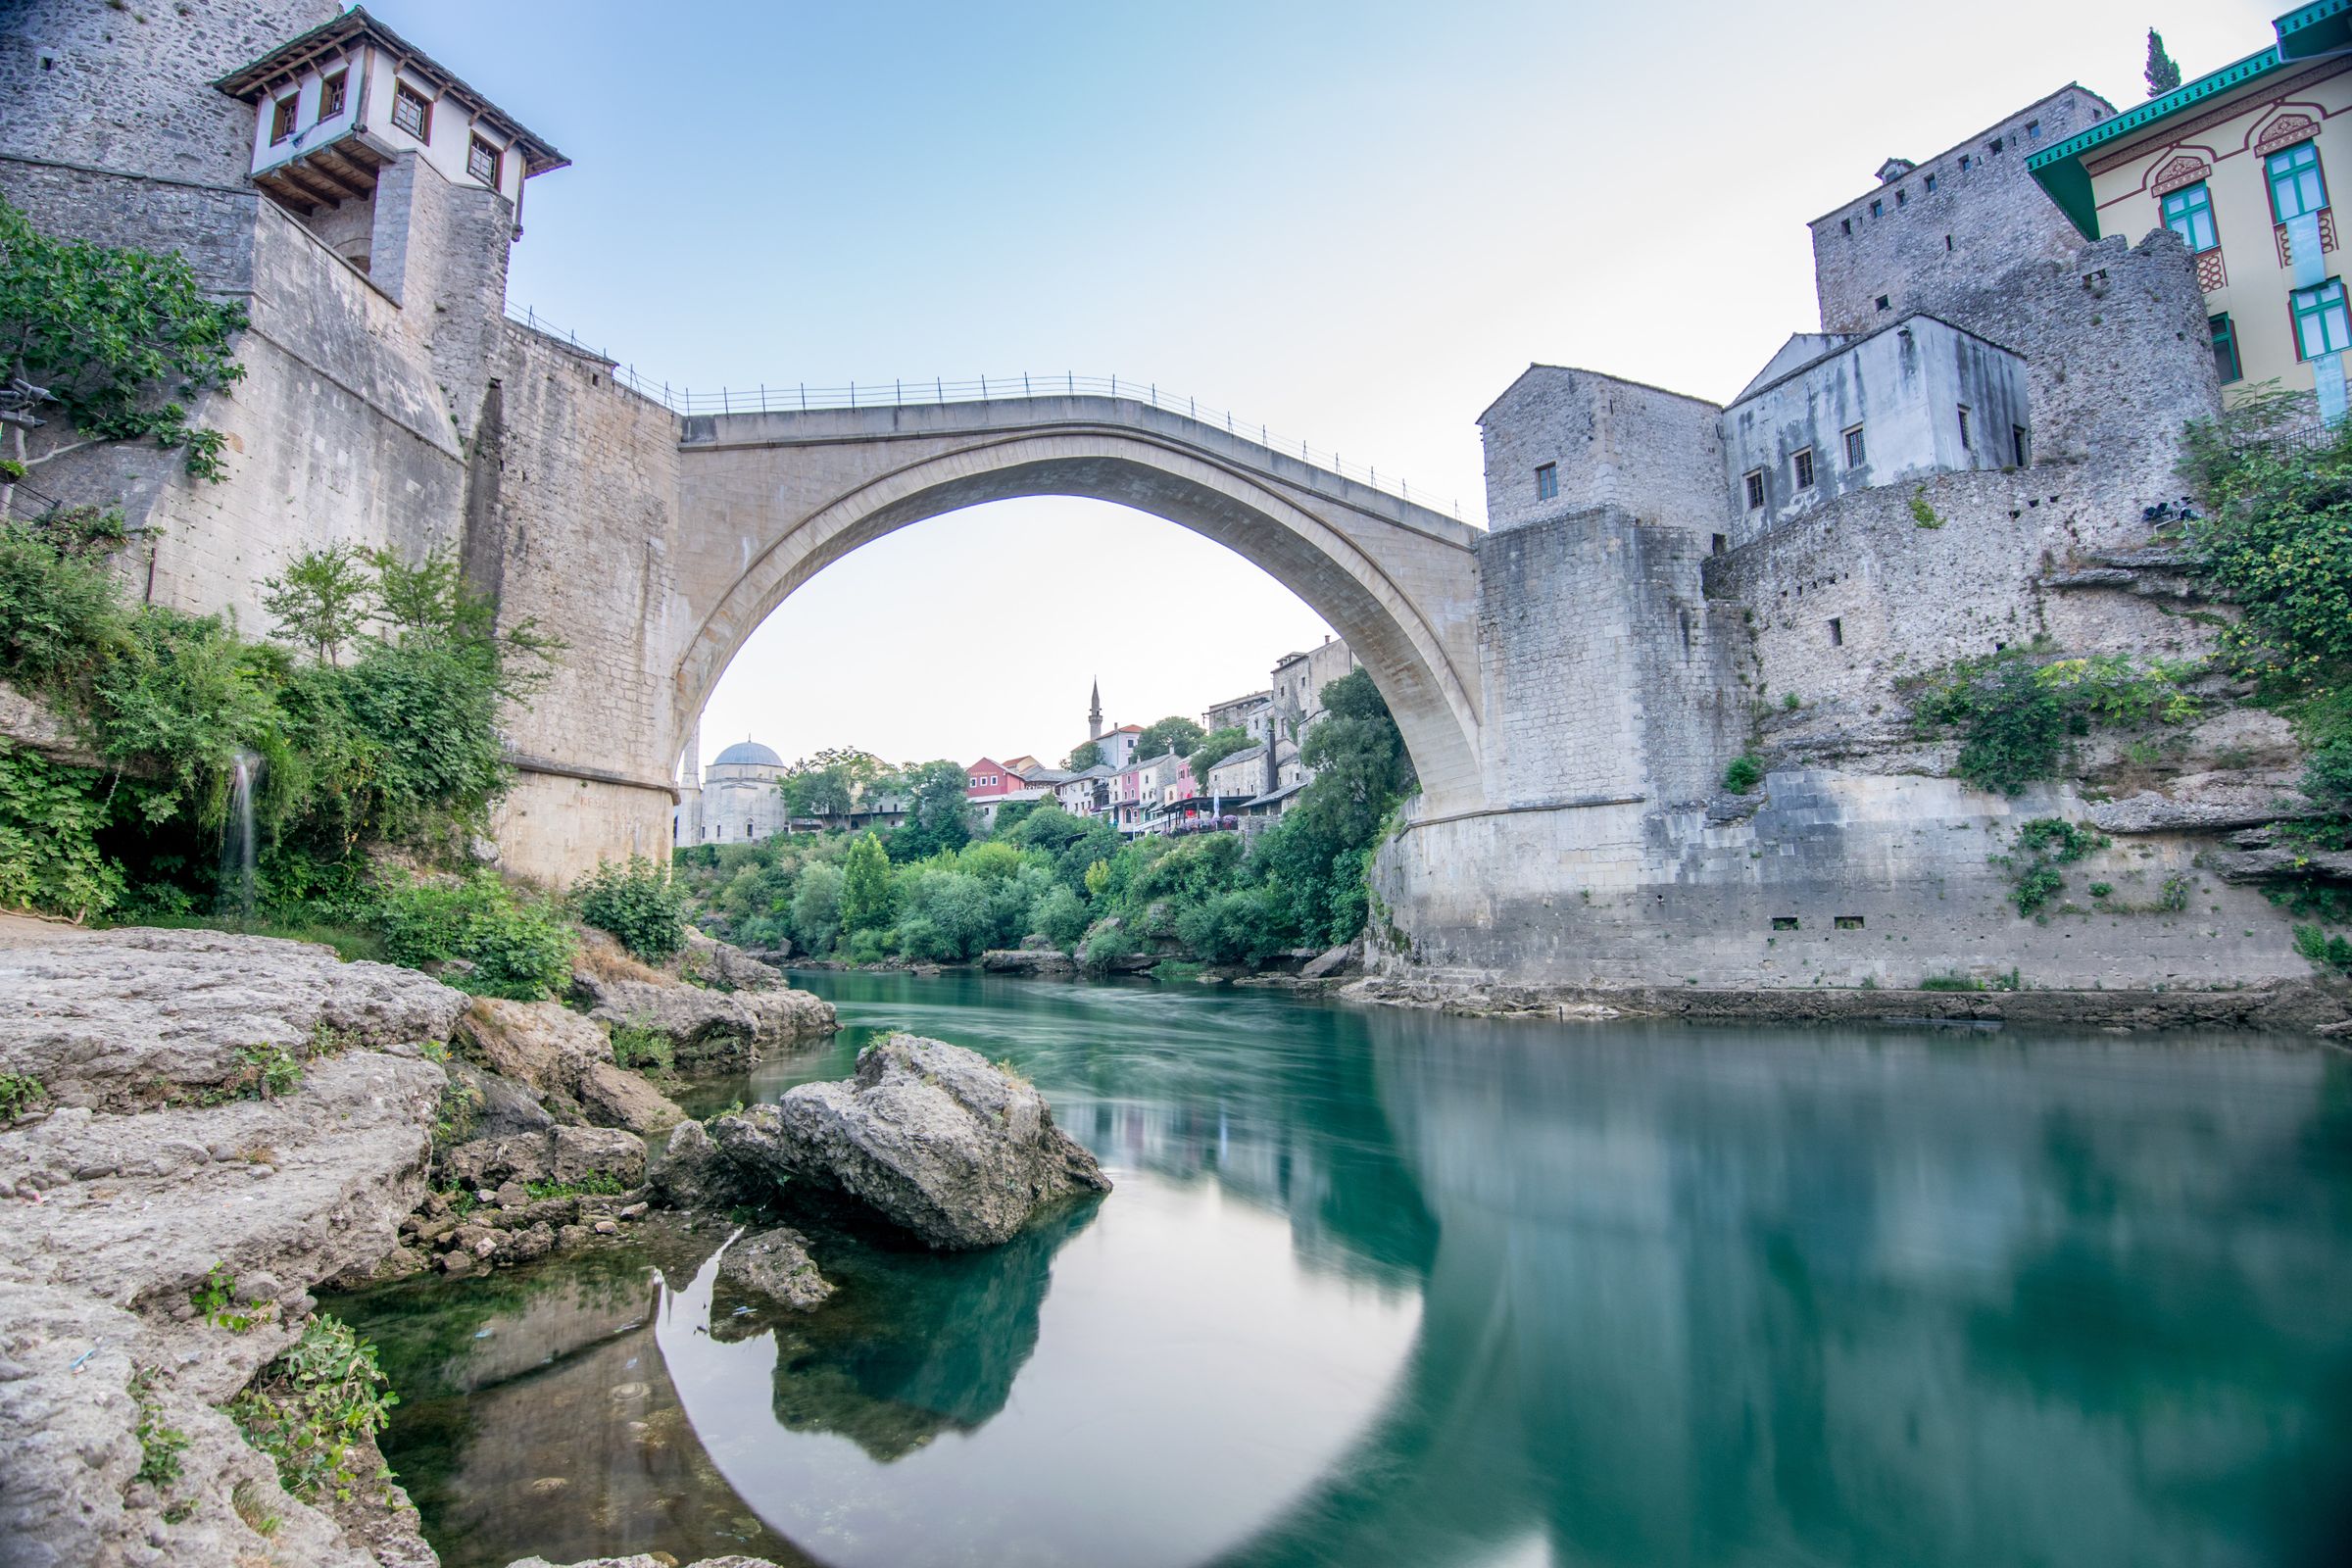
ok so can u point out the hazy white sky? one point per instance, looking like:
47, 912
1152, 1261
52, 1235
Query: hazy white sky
1356, 222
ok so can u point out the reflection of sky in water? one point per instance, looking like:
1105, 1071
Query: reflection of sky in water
1186, 1379
1392, 1288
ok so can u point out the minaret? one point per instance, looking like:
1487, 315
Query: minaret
1094, 715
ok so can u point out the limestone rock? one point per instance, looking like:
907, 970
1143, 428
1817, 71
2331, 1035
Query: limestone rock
692, 1172
1345, 956
928, 1135
119, 1020
2206, 802
566, 1154
774, 1264
725, 966
1027, 960
563, 1056
710, 1031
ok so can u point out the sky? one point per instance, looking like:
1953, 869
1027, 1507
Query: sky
1355, 223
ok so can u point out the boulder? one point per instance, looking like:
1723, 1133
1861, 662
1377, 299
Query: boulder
121, 1019
1027, 960
568, 1060
928, 1135
710, 1031
726, 967
692, 1172
775, 1267
1340, 958
565, 1155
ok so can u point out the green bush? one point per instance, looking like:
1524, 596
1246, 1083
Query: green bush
638, 1047
2043, 844
520, 949
2016, 710
2328, 952
1742, 776
636, 903
313, 1407
50, 815
18, 1094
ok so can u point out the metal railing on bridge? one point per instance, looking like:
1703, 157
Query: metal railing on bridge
800, 397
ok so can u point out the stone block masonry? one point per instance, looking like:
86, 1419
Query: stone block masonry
1605, 442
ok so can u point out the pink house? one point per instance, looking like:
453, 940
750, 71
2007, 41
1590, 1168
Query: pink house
988, 778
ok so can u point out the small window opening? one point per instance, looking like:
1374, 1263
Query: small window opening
2017, 445
1967, 163
1547, 481
1783, 922
1836, 632
1929, 188
1948, 243
1855, 452
481, 162
331, 93
1964, 440
1996, 145
1878, 209
1802, 463
1718, 544
1884, 302
410, 113
2032, 130
1845, 223
1902, 198
1848, 923
281, 120
1754, 480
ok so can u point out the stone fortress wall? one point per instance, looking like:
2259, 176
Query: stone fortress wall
1622, 645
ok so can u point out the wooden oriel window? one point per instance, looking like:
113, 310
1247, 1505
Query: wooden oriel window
332, 93
481, 162
282, 118
410, 113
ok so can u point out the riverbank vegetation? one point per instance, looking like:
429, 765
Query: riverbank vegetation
1071, 881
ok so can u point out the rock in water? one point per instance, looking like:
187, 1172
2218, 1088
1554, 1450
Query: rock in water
928, 1135
775, 1264
691, 1171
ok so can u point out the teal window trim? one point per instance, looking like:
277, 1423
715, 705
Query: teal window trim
2296, 171
2189, 213
2321, 324
2224, 349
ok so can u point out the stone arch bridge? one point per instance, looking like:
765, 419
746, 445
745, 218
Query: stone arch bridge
761, 502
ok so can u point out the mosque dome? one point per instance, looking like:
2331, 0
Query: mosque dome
746, 753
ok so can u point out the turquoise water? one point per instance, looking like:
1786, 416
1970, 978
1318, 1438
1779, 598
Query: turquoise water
1389, 1288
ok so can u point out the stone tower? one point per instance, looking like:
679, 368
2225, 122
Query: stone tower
1094, 715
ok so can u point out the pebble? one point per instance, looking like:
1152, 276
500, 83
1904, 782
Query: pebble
261, 1170
97, 1171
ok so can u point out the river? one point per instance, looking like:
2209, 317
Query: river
1379, 1287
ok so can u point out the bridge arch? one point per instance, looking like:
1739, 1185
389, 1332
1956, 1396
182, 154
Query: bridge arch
770, 500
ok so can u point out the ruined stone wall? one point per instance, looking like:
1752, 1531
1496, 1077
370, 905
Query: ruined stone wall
1925, 247
1614, 443
131, 90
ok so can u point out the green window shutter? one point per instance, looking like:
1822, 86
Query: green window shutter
2225, 350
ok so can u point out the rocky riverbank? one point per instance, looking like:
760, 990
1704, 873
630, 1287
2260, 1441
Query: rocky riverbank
202, 1128
2322, 1009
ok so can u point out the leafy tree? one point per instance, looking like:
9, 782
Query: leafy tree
2162, 75
938, 814
114, 339
323, 598
1060, 917
816, 908
1216, 746
1083, 755
1171, 735
865, 887
829, 783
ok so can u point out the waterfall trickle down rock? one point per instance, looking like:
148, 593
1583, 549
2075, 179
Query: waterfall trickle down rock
237, 851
